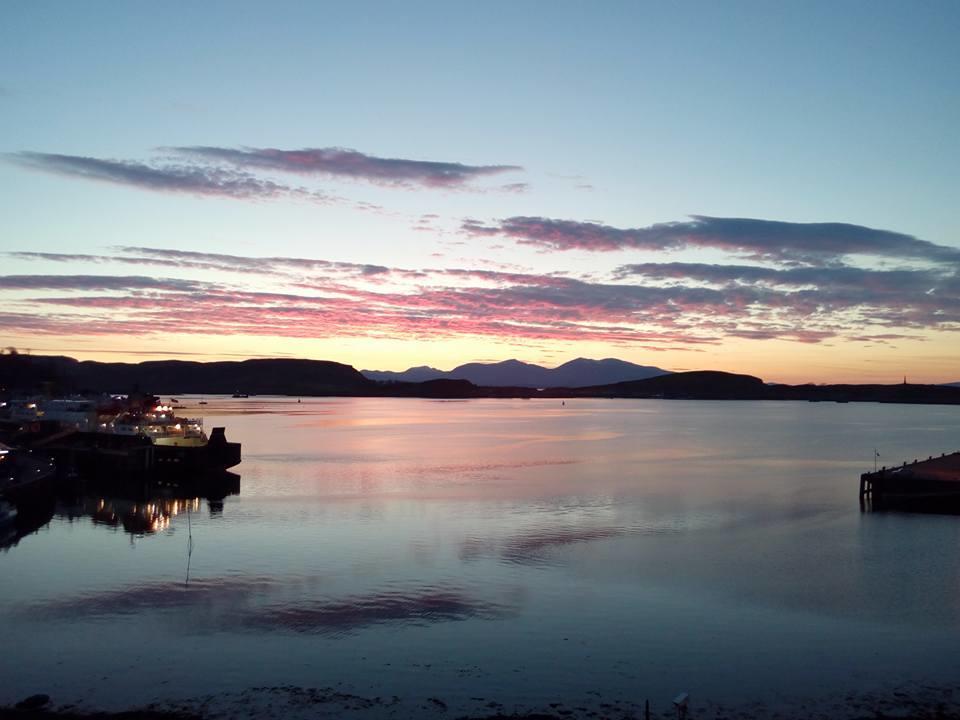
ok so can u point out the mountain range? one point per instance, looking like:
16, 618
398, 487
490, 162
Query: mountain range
581, 372
58, 376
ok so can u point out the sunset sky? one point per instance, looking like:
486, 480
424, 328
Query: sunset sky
760, 187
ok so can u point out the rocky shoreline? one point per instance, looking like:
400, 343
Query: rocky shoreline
904, 703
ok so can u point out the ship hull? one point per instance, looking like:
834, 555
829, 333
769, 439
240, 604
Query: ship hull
105, 456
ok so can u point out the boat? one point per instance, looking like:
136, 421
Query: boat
240, 395
23, 518
127, 437
24, 475
8, 522
157, 422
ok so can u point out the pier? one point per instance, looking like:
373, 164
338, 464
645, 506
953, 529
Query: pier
932, 485
106, 455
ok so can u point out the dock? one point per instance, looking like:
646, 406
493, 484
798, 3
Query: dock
114, 455
932, 484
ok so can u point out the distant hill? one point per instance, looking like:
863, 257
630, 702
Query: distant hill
582, 372
170, 377
698, 384
421, 373
513, 373
62, 375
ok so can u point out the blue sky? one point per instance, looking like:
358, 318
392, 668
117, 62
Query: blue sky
621, 115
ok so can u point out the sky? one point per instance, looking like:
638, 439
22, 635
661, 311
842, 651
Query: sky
767, 188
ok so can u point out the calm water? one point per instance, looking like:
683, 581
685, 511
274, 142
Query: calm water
521, 552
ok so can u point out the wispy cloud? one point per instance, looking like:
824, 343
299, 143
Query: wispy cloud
650, 304
774, 240
823, 278
97, 282
192, 179
54, 257
245, 263
347, 163
238, 173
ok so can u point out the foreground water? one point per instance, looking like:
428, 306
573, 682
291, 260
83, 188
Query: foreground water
511, 552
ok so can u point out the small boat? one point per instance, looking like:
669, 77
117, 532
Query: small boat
8, 523
8, 513
24, 475
240, 395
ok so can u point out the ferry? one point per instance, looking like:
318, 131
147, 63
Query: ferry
119, 435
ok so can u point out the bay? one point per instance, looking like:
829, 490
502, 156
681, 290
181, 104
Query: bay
511, 552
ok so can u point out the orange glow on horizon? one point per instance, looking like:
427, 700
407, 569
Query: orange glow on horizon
771, 360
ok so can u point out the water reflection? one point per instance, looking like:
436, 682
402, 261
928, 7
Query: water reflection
24, 519
136, 518
261, 604
622, 547
408, 606
531, 548
138, 508
149, 509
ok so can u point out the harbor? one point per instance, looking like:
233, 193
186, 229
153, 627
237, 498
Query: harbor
82, 451
388, 547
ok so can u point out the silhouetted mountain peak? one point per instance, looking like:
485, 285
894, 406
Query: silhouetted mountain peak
502, 364
419, 373
516, 373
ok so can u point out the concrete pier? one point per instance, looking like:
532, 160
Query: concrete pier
932, 484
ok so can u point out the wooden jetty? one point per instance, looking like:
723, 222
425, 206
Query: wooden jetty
931, 484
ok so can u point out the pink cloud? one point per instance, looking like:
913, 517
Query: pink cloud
678, 305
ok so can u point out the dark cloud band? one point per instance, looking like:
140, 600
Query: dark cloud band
808, 243
97, 282
343, 162
194, 179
